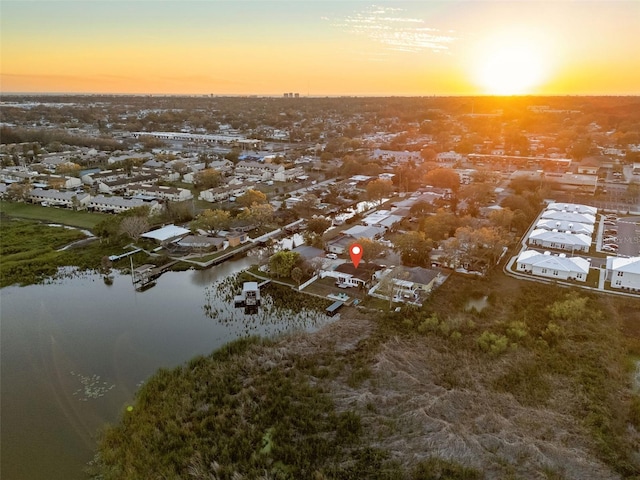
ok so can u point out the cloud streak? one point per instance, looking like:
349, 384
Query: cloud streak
398, 32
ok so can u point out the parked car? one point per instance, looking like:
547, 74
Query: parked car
331, 256
610, 248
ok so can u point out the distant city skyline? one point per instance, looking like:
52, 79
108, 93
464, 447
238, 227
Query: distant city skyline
328, 48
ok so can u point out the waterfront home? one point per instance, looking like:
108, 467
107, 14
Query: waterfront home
347, 275
199, 243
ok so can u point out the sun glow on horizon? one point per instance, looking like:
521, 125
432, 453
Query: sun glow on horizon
511, 63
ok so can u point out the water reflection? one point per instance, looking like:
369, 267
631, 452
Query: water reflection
74, 352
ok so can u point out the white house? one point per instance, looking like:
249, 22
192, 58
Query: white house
559, 267
258, 170
57, 198
58, 181
624, 272
101, 203
224, 192
288, 175
559, 240
563, 226
160, 192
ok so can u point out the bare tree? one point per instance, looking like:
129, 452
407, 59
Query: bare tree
134, 227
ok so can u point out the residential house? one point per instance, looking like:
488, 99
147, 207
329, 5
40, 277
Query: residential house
624, 273
200, 243
225, 192
589, 166
62, 199
102, 203
349, 276
160, 192
57, 181
563, 226
575, 242
120, 185
571, 217
559, 267
340, 244
382, 218
364, 231
236, 238
288, 175
258, 171
572, 207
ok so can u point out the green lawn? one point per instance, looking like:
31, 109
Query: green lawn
51, 214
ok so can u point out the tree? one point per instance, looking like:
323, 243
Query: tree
428, 154
318, 225
479, 247
476, 193
502, 218
134, 227
19, 192
282, 262
443, 178
207, 178
212, 221
414, 248
307, 205
250, 197
296, 275
421, 209
261, 214
179, 211
68, 168
370, 249
180, 167
441, 225
378, 189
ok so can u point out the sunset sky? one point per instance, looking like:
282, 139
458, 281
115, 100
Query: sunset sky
321, 47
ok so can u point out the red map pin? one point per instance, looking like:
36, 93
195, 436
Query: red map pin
356, 254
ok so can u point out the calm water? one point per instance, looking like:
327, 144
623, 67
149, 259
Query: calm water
75, 351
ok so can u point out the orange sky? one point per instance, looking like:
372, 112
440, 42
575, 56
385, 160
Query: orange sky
321, 47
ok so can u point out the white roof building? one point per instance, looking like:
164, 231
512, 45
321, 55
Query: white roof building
572, 207
55, 197
116, 204
362, 231
566, 216
559, 240
624, 272
559, 267
564, 226
167, 233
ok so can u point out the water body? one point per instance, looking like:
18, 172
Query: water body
74, 352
